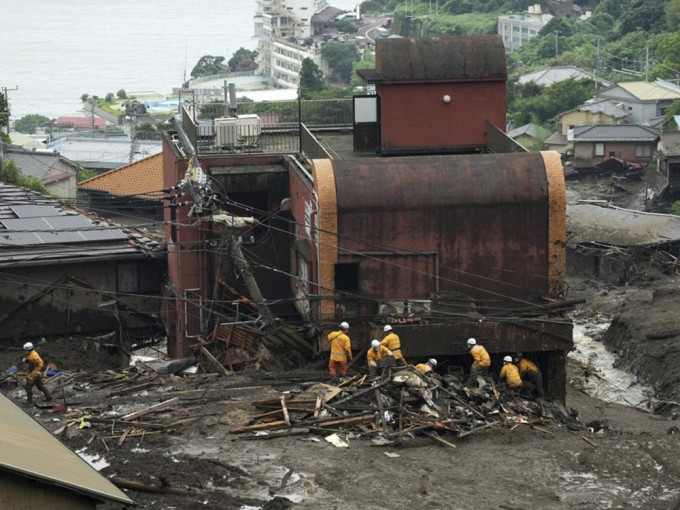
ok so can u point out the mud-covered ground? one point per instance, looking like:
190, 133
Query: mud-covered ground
621, 458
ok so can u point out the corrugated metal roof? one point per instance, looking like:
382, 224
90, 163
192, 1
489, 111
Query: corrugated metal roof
551, 75
143, 178
113, 152
435, 58
529, 129
605, 106
615, 133
620, 227
29, 449
646, 91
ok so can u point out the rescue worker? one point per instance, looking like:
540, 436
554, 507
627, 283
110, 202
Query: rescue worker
374, 355
482, 361
428, 366
510, 373
341, 351
34, 378
529, 371
392, 341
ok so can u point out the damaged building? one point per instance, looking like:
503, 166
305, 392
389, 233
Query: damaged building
428, 217
67, 273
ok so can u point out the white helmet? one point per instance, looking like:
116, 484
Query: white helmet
471, 341
28, 346
507, 359
375, 344
344, 325
387, 328
432, 362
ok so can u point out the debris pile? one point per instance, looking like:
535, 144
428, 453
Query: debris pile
399, 405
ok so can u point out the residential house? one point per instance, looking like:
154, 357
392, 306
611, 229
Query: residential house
58, 173
372, 239
129, 194
593, 111
39, 471
529, 135
450, 87
515, 30
643, 100
65, 272
669, 159
595, 143
555, 74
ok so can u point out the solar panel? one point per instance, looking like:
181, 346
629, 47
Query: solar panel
34, 211
27, 224
104, 235
18, 239
61, 237
68, 222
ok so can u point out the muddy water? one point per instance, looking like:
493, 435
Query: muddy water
599, 378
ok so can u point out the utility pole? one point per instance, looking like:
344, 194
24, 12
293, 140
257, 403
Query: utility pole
226, 99
556, 32
646, 62
4, 114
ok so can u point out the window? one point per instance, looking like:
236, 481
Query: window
643, 151
599, 149
346, 276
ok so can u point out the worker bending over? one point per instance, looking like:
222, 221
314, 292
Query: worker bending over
428, 366
482, 361
528, 371
34, 378
392, 341
374, 355
510, 373
341, 350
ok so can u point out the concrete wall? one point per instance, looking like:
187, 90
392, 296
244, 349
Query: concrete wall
19, 493
573, 119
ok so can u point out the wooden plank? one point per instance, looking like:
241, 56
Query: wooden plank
437, 437
143, 412
317, 406
214, 361
488, 425
258, 426
286, 416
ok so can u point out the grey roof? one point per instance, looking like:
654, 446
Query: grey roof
529, 129
99, 153
620, 227
33, 163
438, 58
556, 74
615, 133
656, 122
557, 138
28, 449
37, 230
670, 143
326, 14
606, 106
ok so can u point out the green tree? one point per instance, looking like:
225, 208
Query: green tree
121, 94
242, 60
645, 15
109, 97
340, 56
29, 123
10, 173
346, 26
672, 15
208, 65
84, 98
311, 78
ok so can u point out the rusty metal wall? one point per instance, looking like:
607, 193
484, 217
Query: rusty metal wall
487, 216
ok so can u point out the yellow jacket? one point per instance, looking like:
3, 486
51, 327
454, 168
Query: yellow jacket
341, 348
510, 373
526, 366
393, 343
424, 368
480, 356
375, 355
36, 362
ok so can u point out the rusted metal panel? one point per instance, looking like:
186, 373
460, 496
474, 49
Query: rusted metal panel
487, 217
19, 492
433, 58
